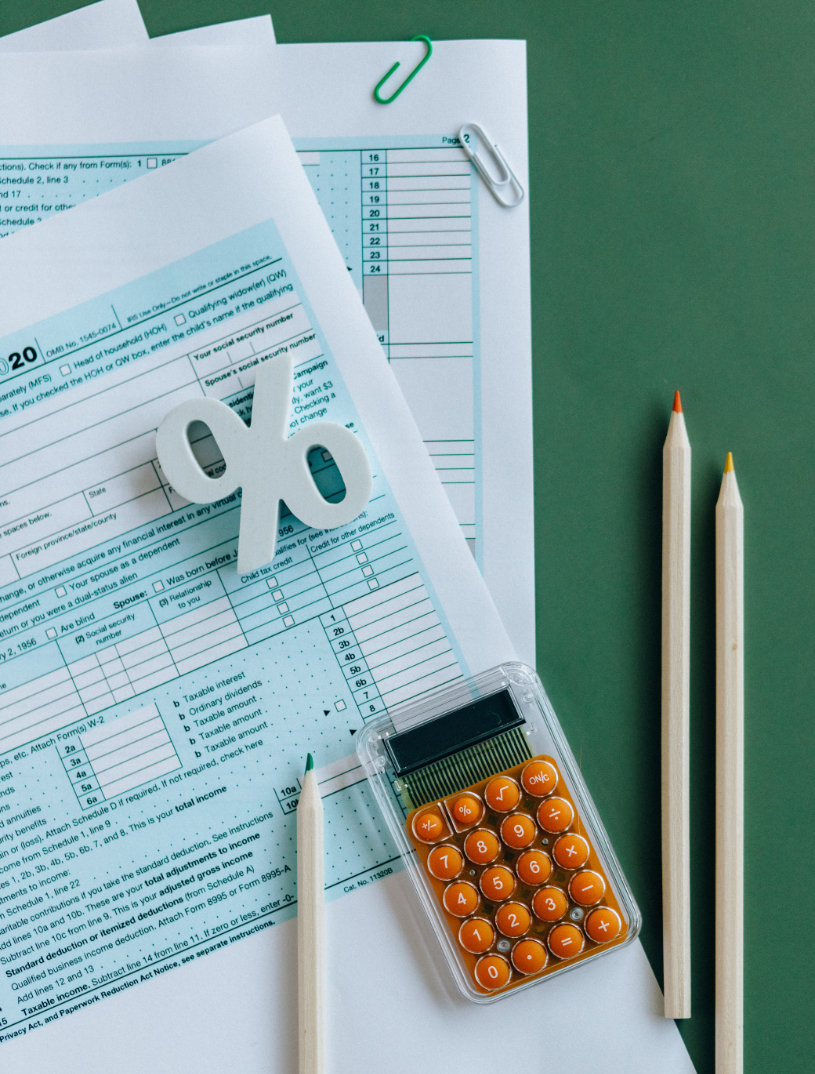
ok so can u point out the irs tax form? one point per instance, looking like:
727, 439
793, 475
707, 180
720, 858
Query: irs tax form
443, 271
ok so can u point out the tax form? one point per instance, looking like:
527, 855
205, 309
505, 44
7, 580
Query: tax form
442, 270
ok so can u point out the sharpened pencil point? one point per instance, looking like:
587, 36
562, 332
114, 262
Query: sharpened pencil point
728, 466
677, 403
309, 763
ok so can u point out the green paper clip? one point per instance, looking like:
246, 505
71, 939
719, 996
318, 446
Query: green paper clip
412, 75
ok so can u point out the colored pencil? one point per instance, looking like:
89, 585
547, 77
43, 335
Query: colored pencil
729, 993
676, 715
310, 930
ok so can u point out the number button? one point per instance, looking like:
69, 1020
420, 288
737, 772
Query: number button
565, 941
497, 883
518, 831
513, 919
482, 846
571, 851
444, 862
539, 778
555, 815
550, 904
476, 935
461, 898
533, 867
492, 972
502, 794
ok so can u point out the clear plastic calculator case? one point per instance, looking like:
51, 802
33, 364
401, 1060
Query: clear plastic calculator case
499, 832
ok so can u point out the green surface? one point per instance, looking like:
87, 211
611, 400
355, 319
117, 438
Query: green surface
673, 238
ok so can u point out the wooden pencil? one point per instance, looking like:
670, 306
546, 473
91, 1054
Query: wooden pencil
729, 775
310, 930
676, 715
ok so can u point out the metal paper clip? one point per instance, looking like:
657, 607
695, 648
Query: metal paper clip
412, 75
505, 182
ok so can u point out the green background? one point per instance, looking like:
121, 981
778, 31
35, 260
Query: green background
673, 245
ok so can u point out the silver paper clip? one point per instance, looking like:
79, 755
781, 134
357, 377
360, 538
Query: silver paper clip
505, 182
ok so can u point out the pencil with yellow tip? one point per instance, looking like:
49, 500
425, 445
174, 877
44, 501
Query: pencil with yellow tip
729, 1001
676, 715
310, 930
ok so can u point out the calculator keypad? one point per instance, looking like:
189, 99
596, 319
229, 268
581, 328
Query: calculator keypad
520, 884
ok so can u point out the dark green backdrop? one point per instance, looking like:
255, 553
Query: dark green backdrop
673, 245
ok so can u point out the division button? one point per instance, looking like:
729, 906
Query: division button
429, 826
571, 851
497, 883
533, 867
502, 794
539, 778
513, 919
565, 941
482, 846
492, 972
603, 925
555, 815
444, 862
461, 898
587, 888
518, 831
466, 810
476, 935
529, 956
550, 904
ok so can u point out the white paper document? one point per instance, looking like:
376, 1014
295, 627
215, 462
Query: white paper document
106, 24
157, 705
443, 270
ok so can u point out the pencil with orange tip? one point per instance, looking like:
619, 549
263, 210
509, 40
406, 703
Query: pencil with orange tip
676, 488
729, 992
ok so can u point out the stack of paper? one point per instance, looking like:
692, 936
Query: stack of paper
157, 703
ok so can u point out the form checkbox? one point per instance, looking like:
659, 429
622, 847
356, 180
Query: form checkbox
180, 319
158, 587
362, 558
271, 582
288, 621
277, 595
373, 584
65, 370
367, 570
60, 591
282, 607
50, 633
356, 545
152, 162
340, 706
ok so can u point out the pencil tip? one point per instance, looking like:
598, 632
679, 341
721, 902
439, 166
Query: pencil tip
309, 763
728, 466
677, 403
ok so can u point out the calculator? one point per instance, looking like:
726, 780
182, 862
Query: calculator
499, 832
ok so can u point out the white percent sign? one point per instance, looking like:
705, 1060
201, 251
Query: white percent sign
266, 464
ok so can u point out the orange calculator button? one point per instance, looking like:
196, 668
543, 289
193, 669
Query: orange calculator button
529, 956
445, 862
502, 794
466, 810
565, 941
587, 888
482, 846
492, 972
550, 904
571, 851
555, 815
539, 778
476, 935
534, 867
497, 883
518, 831
460, 898
429, 826
513, 919
603, 924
